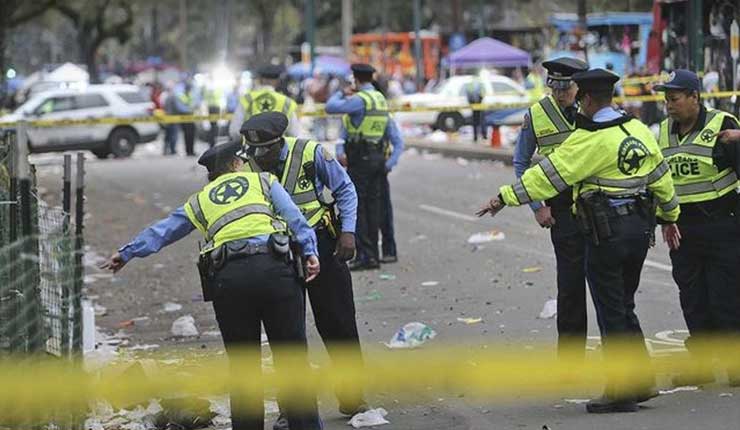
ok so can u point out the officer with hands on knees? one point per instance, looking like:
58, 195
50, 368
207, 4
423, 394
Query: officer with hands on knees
546, 125
705, 254
245, 271
618, 174
367, 130
305, 169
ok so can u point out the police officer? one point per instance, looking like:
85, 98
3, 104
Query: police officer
265, 98
546, 125
367, 130
474, 92
184, 103
615, 166
238, 212
305, 168
705, 254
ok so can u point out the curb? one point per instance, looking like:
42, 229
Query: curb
464, 150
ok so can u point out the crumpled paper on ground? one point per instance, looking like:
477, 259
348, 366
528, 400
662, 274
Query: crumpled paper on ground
486, 236
373, 417
184, 327
549, 310
411, 335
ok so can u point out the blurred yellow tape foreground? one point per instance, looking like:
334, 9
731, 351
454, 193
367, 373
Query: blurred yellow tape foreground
43, 386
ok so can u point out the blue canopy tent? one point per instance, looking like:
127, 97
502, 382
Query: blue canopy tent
326, 64
488, 52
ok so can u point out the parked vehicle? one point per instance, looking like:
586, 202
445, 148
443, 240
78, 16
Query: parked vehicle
451, 92
88, 102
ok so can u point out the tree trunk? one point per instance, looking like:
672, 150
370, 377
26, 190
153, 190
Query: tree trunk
3, 36
88, 48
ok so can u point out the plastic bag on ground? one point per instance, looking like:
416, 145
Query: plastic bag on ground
549, 310
411, 335
486, 236
373, 417
184, 327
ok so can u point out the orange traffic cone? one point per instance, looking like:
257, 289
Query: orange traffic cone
496, 137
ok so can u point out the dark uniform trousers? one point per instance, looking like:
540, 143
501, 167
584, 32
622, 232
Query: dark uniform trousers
366, 172
613, 271
188, 131
261, 289
333, 305
570, 249
386, 218
706, 268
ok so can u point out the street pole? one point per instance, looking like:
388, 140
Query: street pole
481, 20
696, 35
346, 27
310, 31
583, 26
183, 34
417, 43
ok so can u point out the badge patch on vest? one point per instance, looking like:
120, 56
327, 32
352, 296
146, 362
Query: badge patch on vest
266, 102
304, 183
632, 154
707, 135
229, 191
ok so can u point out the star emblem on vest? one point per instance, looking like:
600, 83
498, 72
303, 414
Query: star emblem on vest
229, 191
707, 135
266, 103
304, 183
632, 154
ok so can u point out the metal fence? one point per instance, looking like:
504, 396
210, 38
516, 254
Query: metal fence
40, 260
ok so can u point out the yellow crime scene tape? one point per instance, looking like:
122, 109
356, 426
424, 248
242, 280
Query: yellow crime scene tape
40, 387
318, 111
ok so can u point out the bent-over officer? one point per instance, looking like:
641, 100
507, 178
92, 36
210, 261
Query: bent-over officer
247, 273
305, 169
265, 98
705, 256
617, 171
546, 125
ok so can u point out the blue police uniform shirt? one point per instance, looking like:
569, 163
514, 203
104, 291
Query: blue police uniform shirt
354, 106
331, 174
177, 225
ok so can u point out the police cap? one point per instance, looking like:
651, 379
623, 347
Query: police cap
219, 153
560, 70
270, 71
680, 79
362, 69
595, 80
264, 129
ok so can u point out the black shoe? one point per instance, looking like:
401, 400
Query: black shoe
281, 423
604, 405
388, 259
356, 265
352, 411
646, 395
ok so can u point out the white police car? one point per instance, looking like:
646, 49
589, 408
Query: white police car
88, 102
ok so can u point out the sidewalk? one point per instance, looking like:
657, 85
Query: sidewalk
464, 149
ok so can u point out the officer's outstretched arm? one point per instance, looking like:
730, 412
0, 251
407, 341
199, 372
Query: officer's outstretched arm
575, 160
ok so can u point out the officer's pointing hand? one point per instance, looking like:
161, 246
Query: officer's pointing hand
729, 136
345, 246
312, 267
494, 206
114, 263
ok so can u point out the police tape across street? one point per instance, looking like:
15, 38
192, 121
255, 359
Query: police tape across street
319, 112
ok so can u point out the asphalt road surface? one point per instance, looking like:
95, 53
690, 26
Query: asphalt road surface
434, 202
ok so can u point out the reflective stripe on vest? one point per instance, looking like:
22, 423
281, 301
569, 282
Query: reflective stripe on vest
375, 119
549, 125
304, 195
221, 222
695, 176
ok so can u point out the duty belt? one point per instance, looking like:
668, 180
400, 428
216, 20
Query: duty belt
624, 209
241, 248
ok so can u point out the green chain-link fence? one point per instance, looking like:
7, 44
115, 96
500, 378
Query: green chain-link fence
40, 270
